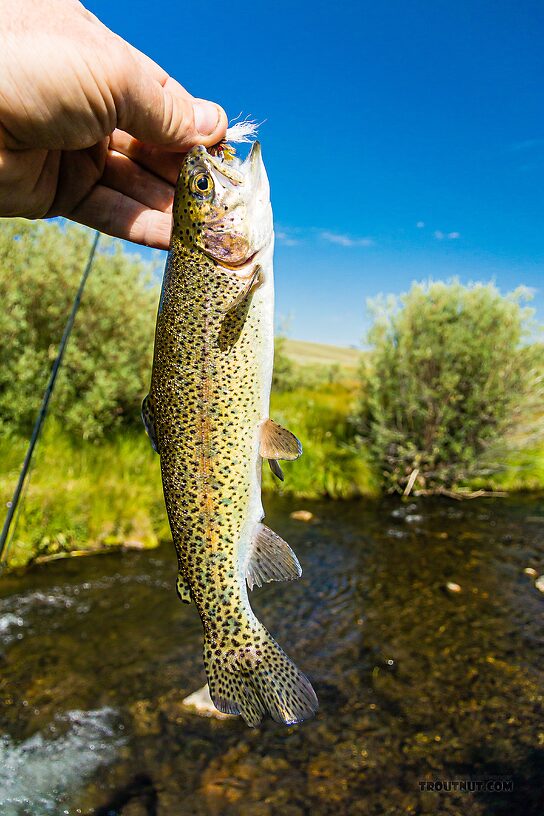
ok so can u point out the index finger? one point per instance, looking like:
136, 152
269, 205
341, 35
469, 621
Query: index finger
163, 163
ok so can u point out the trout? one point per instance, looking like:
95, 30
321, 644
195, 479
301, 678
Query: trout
207, 416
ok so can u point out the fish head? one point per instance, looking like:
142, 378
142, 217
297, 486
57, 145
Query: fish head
222, 208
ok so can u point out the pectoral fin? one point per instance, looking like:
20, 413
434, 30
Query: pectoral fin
276, 469
253, 282
148, 417
183, 589
278, 443
270, 559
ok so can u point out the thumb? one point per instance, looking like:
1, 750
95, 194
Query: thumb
156, 109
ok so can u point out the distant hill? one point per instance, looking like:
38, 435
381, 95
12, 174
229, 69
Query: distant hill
305, 353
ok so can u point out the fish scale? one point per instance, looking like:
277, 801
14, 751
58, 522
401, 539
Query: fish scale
207, 416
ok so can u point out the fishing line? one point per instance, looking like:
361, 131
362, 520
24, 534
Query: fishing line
10, 535
12, 505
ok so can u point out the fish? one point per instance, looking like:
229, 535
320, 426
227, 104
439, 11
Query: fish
207, 416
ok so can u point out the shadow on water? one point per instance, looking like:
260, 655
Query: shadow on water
418, 683
140, 789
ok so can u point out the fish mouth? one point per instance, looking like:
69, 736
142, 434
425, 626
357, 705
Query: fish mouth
238, 174
231, 173
238, 267
245, 266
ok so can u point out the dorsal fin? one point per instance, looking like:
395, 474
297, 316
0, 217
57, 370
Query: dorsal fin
270, 558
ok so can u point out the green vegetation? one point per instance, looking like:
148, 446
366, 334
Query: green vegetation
318, 403
333, 464
452, 390
95, 480
448, 389
84, 495
107, 363
311, 369
306, 354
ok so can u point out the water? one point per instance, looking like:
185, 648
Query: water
416, 682
35, 773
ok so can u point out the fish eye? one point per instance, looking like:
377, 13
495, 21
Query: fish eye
202, 184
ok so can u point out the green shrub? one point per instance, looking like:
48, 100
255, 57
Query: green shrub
107, 364
450, 382
284, 377
333, 462
290, 376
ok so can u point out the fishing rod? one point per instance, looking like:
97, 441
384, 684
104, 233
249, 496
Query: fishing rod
12, 505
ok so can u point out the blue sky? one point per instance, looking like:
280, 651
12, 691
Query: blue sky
403, 140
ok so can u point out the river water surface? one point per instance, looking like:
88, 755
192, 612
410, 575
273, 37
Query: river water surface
417, 682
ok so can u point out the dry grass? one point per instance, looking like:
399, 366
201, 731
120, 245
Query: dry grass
305, 353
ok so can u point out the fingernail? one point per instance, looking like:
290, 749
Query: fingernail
206, 117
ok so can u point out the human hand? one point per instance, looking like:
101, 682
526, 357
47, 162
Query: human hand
91, 128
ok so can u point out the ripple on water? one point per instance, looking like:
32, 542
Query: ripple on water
415, 682
9, 626
18, 611
36, 774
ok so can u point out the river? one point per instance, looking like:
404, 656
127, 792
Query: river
416, 623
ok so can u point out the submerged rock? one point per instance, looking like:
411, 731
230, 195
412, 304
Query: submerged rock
302, 515
201, 702
134, 544
395, 533
404, 511
145, 718
539, 583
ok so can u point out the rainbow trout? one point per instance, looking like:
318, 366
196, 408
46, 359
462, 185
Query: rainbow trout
207, 417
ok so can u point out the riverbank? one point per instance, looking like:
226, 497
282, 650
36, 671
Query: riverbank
84, 495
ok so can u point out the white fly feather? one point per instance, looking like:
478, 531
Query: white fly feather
242, 132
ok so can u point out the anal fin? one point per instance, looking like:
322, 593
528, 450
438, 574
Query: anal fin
183, 589
148, 417
270, 559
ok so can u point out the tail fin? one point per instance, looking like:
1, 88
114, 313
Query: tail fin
257, 678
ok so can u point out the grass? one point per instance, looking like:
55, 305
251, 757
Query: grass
332, 463
305, 353
85, 496
522, 471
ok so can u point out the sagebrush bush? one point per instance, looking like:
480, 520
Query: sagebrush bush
449, 380
107, 364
